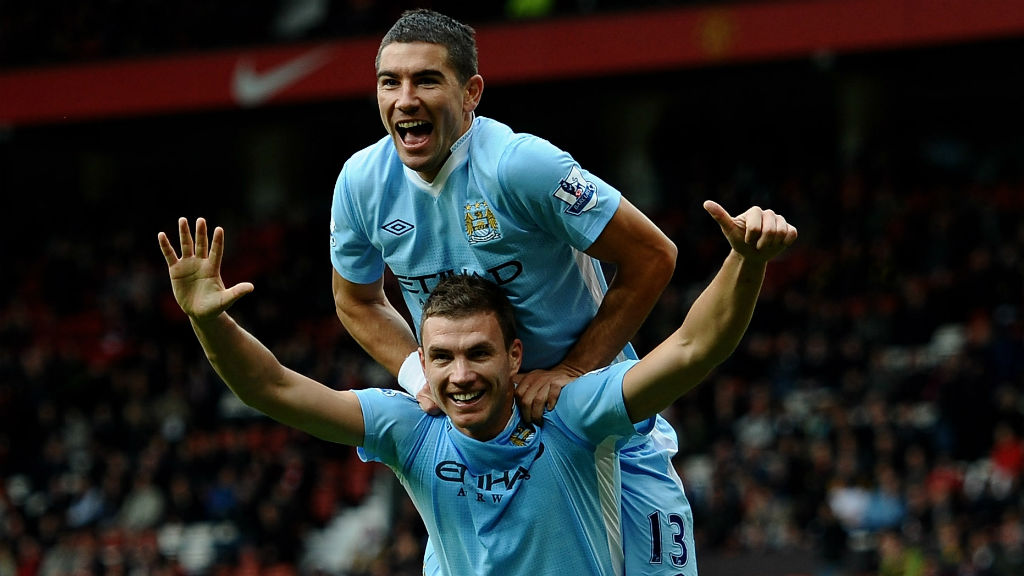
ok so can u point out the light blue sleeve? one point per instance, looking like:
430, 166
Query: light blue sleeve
389, 420
555, 192
592, 406
353, 254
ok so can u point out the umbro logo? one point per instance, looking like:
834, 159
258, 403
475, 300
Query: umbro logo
397, 227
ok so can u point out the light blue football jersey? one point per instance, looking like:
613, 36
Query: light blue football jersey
510, 207
534, 500
519, 211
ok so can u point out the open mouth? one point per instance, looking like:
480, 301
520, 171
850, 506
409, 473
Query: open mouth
414, 132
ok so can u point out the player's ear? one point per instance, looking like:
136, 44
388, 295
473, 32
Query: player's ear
515, 353
473, 90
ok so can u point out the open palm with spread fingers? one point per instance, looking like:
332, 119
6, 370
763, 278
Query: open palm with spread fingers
195, 276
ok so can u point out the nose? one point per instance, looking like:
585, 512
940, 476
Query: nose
407, 97
461, 372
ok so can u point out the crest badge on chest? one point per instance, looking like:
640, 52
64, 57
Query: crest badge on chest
481, 225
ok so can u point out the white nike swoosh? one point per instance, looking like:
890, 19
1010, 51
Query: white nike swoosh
251, 88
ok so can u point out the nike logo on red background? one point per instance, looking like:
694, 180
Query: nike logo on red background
252, 88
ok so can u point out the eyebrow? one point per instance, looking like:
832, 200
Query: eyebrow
431, 351
420, 74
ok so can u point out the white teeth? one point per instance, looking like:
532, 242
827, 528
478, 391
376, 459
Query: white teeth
465, 396
410, 124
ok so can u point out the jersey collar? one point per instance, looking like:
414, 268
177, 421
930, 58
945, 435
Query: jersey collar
459, 154
516, 446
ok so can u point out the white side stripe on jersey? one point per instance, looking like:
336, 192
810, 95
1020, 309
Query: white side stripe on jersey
609, 481
593, 278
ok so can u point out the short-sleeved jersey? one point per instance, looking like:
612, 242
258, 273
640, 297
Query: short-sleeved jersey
534, 500
518, 210
510, 207
656, 521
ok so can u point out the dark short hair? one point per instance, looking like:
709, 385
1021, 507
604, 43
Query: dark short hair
461, 295
422, 25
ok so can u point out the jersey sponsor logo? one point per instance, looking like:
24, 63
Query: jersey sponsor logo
501, 274
576, 191
498, 481
487, 487
397, 227
481, 225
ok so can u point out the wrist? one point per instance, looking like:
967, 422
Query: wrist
748, 269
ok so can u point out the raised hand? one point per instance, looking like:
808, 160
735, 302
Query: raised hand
756, 234
195, 277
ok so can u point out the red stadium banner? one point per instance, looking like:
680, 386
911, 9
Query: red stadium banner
604, 44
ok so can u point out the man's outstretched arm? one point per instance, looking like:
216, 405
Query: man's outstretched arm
248, 367
718, 318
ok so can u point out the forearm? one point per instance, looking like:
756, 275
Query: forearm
716, 322
720, 316
248, 367
644, 259
634, 290
255, 375
624, 308
380, 330
712, 329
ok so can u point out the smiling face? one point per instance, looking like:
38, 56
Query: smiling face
469, 370
422, 103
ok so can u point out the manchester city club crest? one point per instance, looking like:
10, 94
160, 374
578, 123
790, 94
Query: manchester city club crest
481, 225
522, 435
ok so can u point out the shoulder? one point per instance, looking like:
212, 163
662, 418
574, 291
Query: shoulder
521, 162
364, 180
392, 417
592, 405
386, 404
395, 429
600, 380
385, 395
501, 142
381, 149
371, 163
